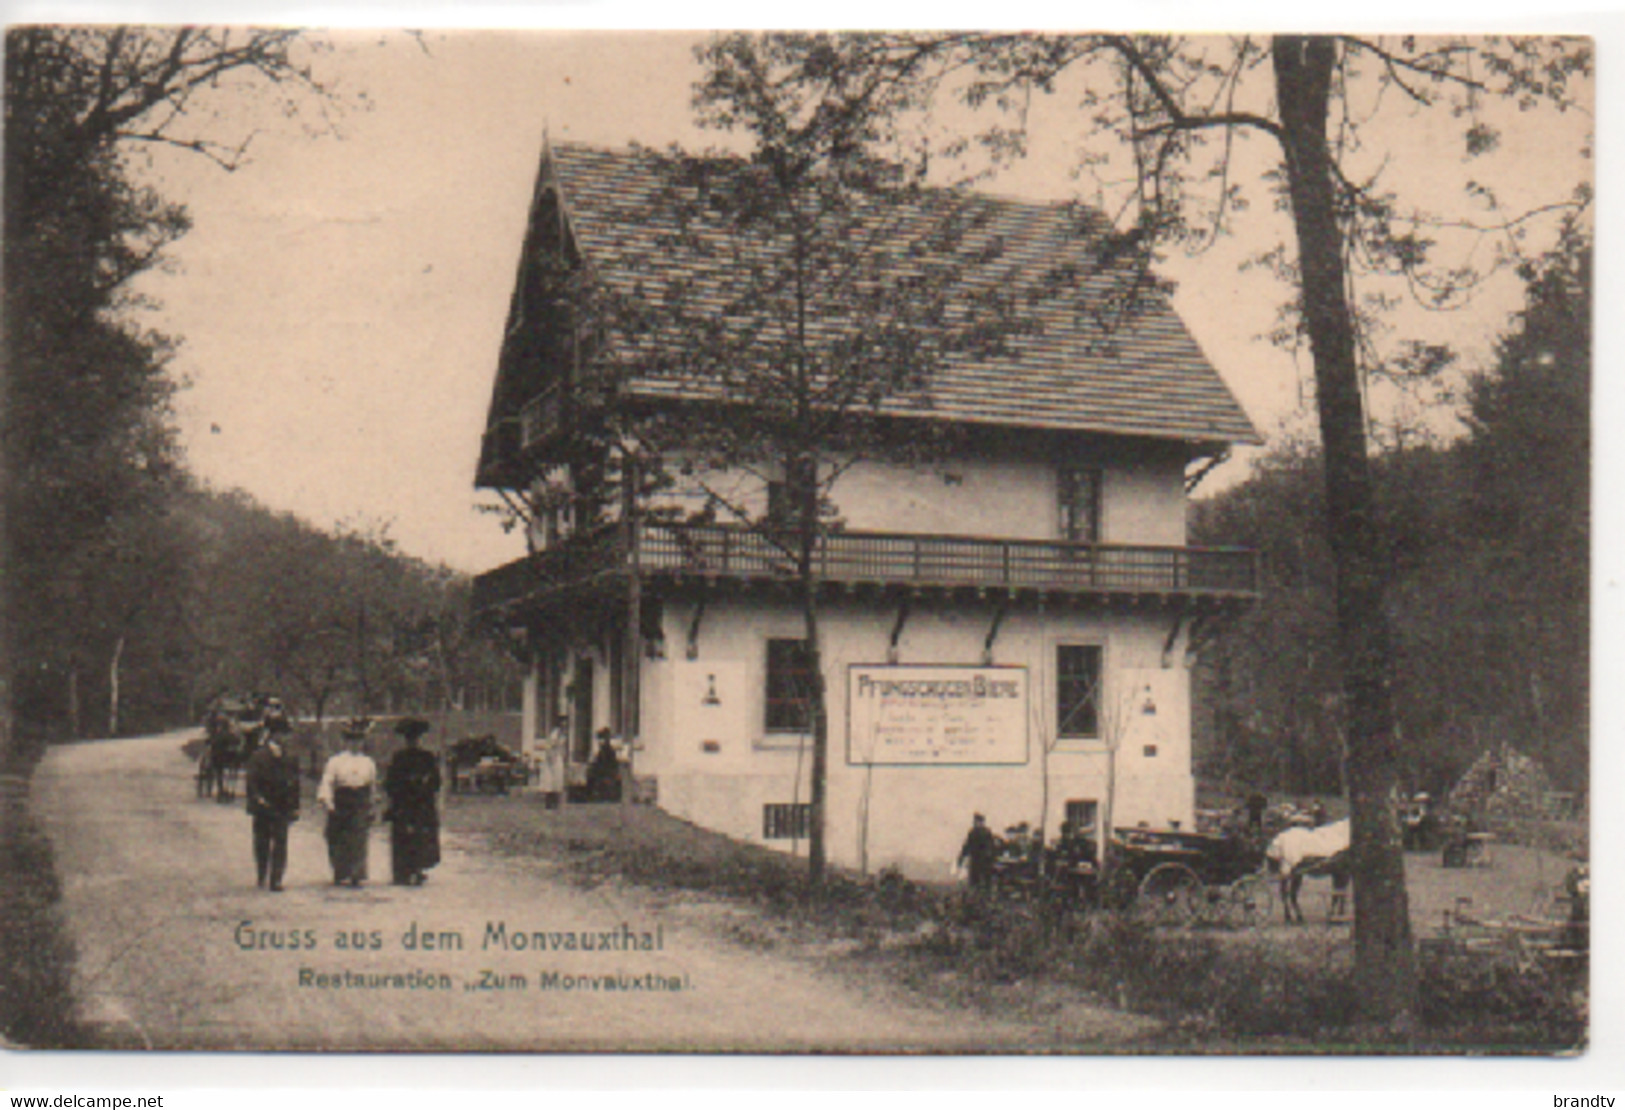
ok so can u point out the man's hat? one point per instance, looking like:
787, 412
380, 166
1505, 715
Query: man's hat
411, 727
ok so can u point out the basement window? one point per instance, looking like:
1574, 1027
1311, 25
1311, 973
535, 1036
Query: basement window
786, 821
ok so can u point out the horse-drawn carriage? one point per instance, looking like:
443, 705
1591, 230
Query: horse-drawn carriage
480, 765
1171, 877
1167, 877
231, 732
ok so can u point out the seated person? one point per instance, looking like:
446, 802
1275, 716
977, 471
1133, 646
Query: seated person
604, 772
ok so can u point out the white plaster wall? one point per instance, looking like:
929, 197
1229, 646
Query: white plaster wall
1142, 499
654, 752
916, 815
1144, 504
999, 497
736, 488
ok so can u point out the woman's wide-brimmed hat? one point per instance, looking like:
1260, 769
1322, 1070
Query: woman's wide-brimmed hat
411, 727
356, 728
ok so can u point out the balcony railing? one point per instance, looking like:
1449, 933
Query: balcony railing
558, 414
541, 418
881, 558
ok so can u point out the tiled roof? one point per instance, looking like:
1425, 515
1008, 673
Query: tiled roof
1074, 370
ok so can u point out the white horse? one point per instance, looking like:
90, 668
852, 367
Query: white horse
1298, 853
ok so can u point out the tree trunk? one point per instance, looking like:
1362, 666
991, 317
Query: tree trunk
816, 795
632, 654
361, 658
1108, 807
1384, 958
443, 658
74, 731
112, 688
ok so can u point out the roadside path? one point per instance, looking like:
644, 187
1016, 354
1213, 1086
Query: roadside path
178, 949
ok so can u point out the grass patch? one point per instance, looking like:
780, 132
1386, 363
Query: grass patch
1502, 1001
36, 955
641, 845
1245, 991
1269, 990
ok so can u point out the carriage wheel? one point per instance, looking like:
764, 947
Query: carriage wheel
1169, 894
1210, 905
1252, 901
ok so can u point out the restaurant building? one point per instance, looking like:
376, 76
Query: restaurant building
1005, 628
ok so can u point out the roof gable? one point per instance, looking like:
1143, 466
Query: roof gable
1072, 368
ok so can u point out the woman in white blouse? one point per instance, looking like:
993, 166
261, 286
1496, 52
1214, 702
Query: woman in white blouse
346, 794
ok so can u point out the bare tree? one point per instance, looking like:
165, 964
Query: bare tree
1178, 107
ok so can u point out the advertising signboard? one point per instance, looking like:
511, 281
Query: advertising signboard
947, 715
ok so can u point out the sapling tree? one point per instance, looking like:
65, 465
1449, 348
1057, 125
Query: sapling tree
819, 283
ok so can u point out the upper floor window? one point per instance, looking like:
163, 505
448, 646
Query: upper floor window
1078, 500
780, 508
784, 494
789, 686
1077, 691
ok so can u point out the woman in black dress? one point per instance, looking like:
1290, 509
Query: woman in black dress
413, 784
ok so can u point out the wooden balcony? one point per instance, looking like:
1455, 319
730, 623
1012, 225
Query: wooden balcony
544, 430
542, 418
677, 553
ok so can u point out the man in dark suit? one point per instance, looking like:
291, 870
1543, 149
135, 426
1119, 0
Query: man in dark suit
980, 849
272, 786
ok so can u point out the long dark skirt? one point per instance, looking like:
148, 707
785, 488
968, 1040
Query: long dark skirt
414, 847
347, 828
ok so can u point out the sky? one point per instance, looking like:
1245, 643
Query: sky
341, 297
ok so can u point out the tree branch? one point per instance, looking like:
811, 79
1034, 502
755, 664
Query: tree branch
1418, 65
1178, 118
228, 162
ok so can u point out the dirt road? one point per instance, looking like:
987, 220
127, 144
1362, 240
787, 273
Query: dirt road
178, 949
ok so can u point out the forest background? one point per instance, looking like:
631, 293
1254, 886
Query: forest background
1488, 537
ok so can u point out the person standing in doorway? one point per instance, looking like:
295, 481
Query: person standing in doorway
554, 748
271, 784
346, 793
604, 772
